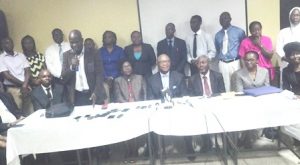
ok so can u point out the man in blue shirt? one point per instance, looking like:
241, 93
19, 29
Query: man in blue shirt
227, 42
111, 54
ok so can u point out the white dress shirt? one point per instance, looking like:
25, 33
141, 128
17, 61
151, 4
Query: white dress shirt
52, 58
165, 79
205, 45
15, 64
208, 81
287, 35
81, 80
6, 115
45, 90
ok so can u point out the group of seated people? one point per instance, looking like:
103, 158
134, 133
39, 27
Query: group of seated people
78, 73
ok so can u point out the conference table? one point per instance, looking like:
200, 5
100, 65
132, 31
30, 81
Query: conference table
88, 127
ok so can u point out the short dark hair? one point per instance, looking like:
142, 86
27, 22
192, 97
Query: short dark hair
251, 25
198, 17
134, 32
113, 34
56, 29
23, 40
121, 63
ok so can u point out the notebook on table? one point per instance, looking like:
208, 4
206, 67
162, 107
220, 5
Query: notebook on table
262, 91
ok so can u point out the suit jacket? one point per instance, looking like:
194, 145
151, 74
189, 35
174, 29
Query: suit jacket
10, 104
243, 81
177, 85
291, 80
178, 53
40, 99
216, 82
93, 68
144, 65
139, 88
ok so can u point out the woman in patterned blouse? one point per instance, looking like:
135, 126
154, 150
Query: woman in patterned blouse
36, 60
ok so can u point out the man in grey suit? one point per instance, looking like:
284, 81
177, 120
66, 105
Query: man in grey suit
48, 93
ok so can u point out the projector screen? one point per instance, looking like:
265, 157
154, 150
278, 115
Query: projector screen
155, 14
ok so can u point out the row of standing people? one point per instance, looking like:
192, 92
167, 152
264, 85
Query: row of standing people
230, 44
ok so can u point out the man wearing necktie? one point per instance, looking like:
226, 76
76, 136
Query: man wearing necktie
199, 43
54, 54
205, 82
227, 42
167, 79
48, 93
174, 47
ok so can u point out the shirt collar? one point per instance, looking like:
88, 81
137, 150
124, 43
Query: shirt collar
164, 75
229, 27
172, 39
198, 32
206, 75
45, 88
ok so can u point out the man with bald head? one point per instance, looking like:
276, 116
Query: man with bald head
166, 79
174, 47
206, 82
82, 73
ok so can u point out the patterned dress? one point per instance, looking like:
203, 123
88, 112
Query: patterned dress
37, 63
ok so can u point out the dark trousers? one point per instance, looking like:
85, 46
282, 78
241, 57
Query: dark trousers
82, 98
2, 156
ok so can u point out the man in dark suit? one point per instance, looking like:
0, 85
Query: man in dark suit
48, 93
172, 80
206, 82
82, 73
166, 79
174, 47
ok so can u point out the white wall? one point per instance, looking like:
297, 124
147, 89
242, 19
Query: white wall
155, 14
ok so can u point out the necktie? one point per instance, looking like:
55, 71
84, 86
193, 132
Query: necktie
48, 93
225, 43
130, 91
195, 46
170, 47
206, 87
60, 53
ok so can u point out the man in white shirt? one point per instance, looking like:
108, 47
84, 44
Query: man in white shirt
54, 54
82, 73
199, 43
15, 69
